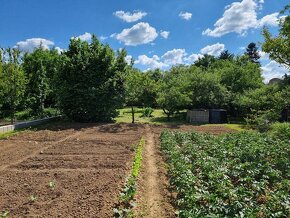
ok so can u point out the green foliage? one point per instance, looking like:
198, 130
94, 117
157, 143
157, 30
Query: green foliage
252, 53
281, 131
40, 68
5, 214
12, 83
173, 93
124, 208
261, 120
147, 112
279, 47
90, 81
244, 174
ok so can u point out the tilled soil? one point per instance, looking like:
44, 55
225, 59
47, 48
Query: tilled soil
76, 171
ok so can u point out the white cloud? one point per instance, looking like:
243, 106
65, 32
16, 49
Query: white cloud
239, 17
164, 34
102, 38
130, 17
128, 59
30, 44
151, 63
59, 50
269, 20
185, 15
273, 70
263, 55
214, 49
174, 56
192, 58
140, 33
84, 37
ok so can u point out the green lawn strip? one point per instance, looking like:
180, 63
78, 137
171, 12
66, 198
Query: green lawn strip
127, 203
158, 117
9, 134
243, 174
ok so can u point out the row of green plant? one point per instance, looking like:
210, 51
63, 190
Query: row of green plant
244, 174
127, 203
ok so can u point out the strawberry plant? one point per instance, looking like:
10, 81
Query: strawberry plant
236, 175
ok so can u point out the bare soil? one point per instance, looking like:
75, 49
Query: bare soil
88, 164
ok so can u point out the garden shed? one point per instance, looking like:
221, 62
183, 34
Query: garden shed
197, 116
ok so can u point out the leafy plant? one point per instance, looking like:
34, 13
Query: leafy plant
244, 174
5, 214
124, 208
147, 112
32, 198
52, 185
281, 130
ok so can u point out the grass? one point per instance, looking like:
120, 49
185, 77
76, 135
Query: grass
8, 134
160, 118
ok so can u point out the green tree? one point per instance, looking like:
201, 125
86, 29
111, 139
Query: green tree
90, 84
205, 62
134, 90
13, 81
226, 55
279, 47
252, 53
40, 68
173, 94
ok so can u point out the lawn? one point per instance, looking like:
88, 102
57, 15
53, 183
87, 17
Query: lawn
160, 118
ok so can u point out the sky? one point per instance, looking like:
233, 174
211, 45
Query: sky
155, 33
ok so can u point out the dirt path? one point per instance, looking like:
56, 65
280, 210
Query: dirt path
151, 196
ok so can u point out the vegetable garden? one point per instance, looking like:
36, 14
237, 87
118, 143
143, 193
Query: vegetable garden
235, 175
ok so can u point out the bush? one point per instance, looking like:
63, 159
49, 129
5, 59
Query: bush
281, 130
262, 120
147, 112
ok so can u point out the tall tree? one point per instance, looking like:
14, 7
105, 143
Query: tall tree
252, 52
279, 47
13, 81
205, 62
226, 55
40, 68
90, 81
134, 90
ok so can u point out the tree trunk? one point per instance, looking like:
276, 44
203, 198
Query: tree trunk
133, 114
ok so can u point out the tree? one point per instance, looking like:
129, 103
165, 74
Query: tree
134, 90
13, 81
252, 52
279, 47
40, 68
205, 62
173, 92
90, 81
226, 55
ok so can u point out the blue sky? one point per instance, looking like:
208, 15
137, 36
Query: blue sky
156, 33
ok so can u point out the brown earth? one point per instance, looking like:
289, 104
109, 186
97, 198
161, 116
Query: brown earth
87, 165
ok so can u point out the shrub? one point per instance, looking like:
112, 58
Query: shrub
147, 112
281, 130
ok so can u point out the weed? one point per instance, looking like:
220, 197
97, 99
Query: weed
5, 214
52, 185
